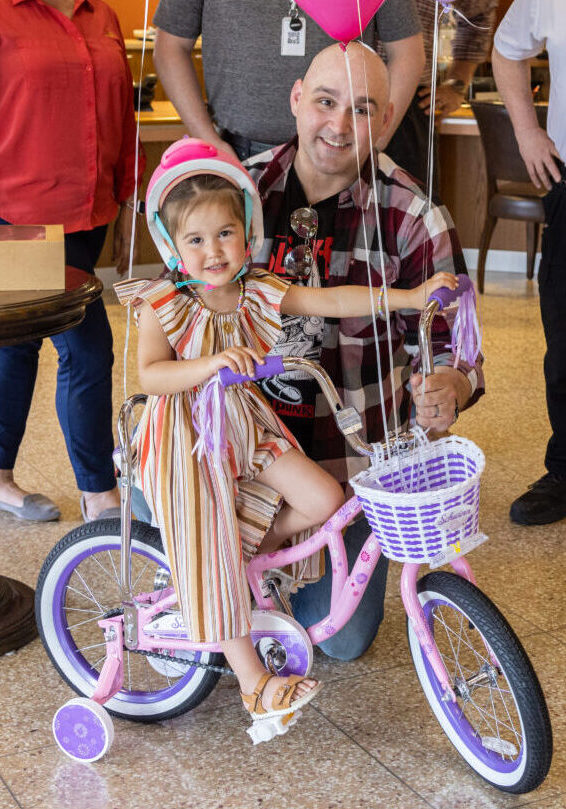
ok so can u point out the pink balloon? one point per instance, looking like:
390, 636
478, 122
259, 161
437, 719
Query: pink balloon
339, 18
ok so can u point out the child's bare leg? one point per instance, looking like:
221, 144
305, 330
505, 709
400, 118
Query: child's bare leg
247, 667
311, 496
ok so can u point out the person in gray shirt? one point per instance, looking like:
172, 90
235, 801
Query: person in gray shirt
251, 59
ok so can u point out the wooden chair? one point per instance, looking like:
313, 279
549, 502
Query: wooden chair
510, 193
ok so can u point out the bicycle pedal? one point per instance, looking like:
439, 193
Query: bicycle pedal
263, 730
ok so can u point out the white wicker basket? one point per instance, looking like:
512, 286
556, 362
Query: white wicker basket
421, 503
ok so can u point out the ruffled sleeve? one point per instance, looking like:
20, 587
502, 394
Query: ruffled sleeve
173, 309
127, 291
260, 312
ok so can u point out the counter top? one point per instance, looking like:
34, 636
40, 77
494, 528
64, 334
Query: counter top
162, 123
135, 44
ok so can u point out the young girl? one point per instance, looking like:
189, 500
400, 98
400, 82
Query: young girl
214, 311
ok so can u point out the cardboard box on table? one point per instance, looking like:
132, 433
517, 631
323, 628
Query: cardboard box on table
32, 257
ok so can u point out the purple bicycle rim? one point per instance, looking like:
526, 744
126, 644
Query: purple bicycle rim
70, 651
452, 710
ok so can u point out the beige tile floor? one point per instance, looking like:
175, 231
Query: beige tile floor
369, 740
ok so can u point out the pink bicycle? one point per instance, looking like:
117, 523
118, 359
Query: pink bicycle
107, 613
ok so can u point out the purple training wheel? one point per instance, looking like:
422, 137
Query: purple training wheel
83, 729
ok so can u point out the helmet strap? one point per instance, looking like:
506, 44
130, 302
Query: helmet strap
248, 210
174, 262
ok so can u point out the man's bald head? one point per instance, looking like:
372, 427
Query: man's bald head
337, 125
366, 66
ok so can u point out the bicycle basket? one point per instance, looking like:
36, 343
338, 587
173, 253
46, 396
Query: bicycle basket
421, 502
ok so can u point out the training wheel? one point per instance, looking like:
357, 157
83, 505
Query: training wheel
283, 641
83, 729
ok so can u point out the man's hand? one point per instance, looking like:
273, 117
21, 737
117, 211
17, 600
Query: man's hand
443, 390
223, 145
538, 152
122, 238
447, 100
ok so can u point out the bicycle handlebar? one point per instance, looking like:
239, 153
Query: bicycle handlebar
273, 366
348, 419
445, 296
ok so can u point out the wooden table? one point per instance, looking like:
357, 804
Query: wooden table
30, 316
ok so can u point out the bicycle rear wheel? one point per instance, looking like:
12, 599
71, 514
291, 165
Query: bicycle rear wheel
499, 723
78, 584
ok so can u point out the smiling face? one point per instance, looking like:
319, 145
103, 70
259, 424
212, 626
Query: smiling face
328, 122
211, 242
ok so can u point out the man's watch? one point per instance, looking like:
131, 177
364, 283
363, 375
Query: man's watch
458, 85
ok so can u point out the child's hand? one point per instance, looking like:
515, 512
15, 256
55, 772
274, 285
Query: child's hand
240, 360
421, 294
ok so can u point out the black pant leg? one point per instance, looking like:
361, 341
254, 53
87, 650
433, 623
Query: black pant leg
552, 288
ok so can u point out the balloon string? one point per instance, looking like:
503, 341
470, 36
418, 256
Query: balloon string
448, 7
383, 279
136, 188
382, 267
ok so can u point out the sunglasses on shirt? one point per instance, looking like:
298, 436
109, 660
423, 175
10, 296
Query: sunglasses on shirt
299, 261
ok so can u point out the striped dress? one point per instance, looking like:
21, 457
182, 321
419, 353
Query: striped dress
212, 518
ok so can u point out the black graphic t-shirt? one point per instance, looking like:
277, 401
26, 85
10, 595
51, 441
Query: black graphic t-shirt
293, 395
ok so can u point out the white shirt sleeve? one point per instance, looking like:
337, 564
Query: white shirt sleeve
518, 35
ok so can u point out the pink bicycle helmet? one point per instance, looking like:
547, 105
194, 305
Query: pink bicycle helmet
185, 158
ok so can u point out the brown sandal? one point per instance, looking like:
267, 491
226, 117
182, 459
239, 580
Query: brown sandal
282, 702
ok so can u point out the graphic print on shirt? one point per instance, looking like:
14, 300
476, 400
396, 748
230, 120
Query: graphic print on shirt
292, 393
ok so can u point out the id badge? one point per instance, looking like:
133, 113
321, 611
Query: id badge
293, 38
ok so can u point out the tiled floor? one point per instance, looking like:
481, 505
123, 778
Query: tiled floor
369, 740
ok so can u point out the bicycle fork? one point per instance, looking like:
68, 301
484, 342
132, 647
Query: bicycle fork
420, 626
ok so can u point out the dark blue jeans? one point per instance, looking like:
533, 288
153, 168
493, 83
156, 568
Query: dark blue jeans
84, 382
312, 602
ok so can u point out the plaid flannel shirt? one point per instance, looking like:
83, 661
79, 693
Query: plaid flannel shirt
415, 242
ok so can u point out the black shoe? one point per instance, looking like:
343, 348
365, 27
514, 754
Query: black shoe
543, 503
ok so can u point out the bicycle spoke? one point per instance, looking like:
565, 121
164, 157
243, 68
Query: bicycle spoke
116, 576
471, 648
106, 572
93, 646
97, 662
89, 591
80, 609
145, 567
486, 716
82, 623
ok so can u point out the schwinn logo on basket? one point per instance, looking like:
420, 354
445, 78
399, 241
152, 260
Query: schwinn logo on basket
454, 519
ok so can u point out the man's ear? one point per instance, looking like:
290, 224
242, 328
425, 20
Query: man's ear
387, 116
296, 93
383, 136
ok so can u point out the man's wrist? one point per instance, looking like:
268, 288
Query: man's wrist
469, 383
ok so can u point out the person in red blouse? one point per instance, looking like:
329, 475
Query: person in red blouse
67, 152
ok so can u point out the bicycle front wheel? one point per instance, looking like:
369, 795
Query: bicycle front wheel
499, 723
78, 584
